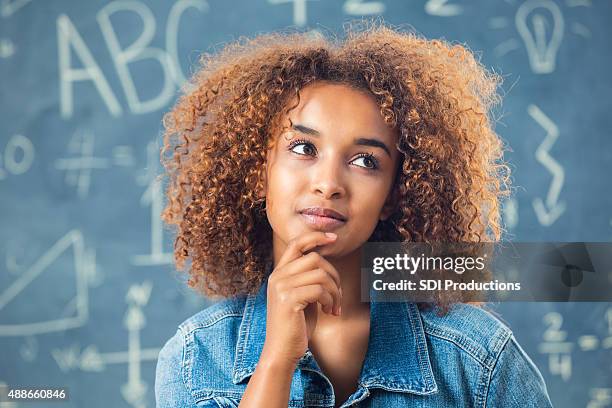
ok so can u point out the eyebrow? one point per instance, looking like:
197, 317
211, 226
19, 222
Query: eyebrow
362, 141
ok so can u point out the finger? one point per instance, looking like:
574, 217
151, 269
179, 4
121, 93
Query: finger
313, 260
303, 243
304, 295
312, 277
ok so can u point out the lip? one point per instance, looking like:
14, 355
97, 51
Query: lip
323, 212
322, 223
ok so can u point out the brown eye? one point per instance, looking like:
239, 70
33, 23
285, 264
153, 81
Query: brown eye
369, 160
308, 148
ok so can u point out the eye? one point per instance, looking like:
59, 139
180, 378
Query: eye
308, 147
368, 158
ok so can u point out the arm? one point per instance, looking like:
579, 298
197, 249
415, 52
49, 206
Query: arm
295, 288
516, 381
170, 389
270, 383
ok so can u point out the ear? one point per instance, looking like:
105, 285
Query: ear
390, 204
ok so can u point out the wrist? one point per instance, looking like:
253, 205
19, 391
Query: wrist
276, 363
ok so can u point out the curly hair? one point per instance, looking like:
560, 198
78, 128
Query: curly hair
436, 95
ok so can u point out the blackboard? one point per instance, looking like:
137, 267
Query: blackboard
88, 293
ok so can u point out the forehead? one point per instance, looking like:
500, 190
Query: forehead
339, 109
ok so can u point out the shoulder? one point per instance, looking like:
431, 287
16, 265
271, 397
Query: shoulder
206, 339
472, 329
231, 308
516, 374
472, 346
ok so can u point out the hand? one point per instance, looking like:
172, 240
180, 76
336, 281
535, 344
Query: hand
295, 287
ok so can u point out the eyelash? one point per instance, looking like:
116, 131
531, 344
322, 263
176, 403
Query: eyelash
360, 155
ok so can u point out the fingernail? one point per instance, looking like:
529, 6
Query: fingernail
339, 310
330, 235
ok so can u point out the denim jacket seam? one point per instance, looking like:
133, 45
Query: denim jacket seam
501, 338
302, 403
317, 399
210, 321
424, 364
477, 354
480, 394
390, 385
206, 394
209, 393
365, 394
496, 346
247, 315
487, 382
185, 363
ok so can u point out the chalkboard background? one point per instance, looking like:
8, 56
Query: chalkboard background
88, 294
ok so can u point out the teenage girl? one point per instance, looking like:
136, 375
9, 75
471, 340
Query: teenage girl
288, 152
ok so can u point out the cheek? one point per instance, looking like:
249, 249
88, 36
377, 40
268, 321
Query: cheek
280, 187
371, 198
285, 177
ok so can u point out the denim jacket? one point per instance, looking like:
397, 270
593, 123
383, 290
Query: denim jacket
467, 358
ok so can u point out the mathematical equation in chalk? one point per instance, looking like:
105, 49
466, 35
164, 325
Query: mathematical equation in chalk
561, 350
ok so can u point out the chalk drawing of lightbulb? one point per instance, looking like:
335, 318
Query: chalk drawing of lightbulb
542, 53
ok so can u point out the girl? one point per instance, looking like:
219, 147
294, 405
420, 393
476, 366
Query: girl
289, 152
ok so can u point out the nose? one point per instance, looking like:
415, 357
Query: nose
327, 178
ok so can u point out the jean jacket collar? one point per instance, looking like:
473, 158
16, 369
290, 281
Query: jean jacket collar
396, 360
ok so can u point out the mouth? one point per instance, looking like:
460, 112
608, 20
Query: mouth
322, 219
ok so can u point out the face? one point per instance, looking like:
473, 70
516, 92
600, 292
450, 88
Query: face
337, 153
